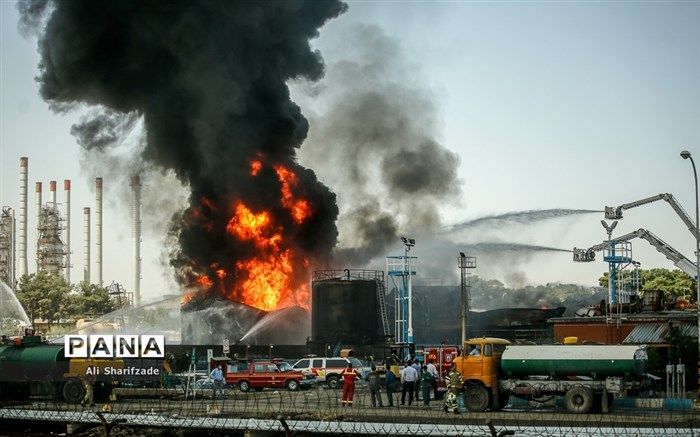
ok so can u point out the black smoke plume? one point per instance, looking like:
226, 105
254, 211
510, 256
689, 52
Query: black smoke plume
209, 80
376, 142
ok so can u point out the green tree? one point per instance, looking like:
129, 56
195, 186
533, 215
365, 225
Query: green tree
43, 296
89, 299
674, 282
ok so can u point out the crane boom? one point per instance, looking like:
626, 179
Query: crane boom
615, 212
677, 258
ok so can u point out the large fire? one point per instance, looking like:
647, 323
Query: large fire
276, 274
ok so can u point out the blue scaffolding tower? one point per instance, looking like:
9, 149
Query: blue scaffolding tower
617, 254
401, 269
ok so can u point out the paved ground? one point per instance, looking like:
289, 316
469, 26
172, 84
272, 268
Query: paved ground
321, 404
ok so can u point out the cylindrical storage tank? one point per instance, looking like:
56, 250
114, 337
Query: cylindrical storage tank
574, 360
344, 310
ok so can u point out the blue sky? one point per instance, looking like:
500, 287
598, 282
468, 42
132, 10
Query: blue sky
548, 105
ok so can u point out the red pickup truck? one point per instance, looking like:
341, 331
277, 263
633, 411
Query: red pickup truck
266, 374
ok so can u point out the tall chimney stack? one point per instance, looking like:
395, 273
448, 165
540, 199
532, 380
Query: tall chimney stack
23, 182
86, 244
38, 219
136, 234
52, 190
66, 189
98, 229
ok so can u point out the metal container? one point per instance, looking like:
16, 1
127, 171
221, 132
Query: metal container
595, 361
653, 300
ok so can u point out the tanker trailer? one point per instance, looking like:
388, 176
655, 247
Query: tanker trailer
586, 375
30, 366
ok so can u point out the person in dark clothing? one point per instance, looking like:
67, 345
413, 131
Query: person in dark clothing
416, 388
390, 386
426, 381
374, 387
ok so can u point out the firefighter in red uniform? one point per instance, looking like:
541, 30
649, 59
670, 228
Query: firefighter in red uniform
349, 376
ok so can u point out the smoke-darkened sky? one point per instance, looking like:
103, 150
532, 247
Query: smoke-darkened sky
524, 108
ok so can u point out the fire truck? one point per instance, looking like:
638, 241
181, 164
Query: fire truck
442, 356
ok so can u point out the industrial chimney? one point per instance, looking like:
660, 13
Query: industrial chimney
66, 189
98, 229
136, 235
23, 181
38, 219
86, 244
52, 191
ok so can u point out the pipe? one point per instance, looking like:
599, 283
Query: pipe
38, 220
66, 189
136, 234
23, 177
86, 244
98, 228
52, 191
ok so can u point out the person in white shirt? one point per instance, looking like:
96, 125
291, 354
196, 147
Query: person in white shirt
409, 376
433, 371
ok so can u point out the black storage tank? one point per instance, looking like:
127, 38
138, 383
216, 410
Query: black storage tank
346, 310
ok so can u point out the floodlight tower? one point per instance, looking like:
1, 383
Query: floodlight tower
617, 253
465, 262
402, 268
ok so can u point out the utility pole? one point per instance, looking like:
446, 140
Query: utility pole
465, 262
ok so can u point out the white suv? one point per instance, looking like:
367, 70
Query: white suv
329, 370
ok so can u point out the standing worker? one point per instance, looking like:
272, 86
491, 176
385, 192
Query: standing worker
454, 385
217, 375
433, 371
416, 388
88, 380
390, 386
374, 387
426, 383
409, 376
349, 376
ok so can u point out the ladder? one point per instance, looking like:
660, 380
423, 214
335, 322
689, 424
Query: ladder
381, 300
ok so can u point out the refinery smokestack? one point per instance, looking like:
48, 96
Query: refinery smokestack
52, 190
23, 181
98, 229
86, 244
66, 189
136, 235
38, 220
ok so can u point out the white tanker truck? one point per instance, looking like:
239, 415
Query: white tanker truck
588, 376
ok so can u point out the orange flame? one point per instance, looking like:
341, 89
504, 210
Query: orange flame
255, 167
299, 207
274, 276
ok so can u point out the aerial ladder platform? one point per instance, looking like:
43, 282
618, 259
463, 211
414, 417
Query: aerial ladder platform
677, 258
615, 212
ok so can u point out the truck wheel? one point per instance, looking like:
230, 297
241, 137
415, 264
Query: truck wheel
333, 382
73, 391
477, 398
503, 397
244, 386
292, 385
579, 400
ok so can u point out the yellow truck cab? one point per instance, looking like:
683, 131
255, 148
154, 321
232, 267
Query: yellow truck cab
480, 364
